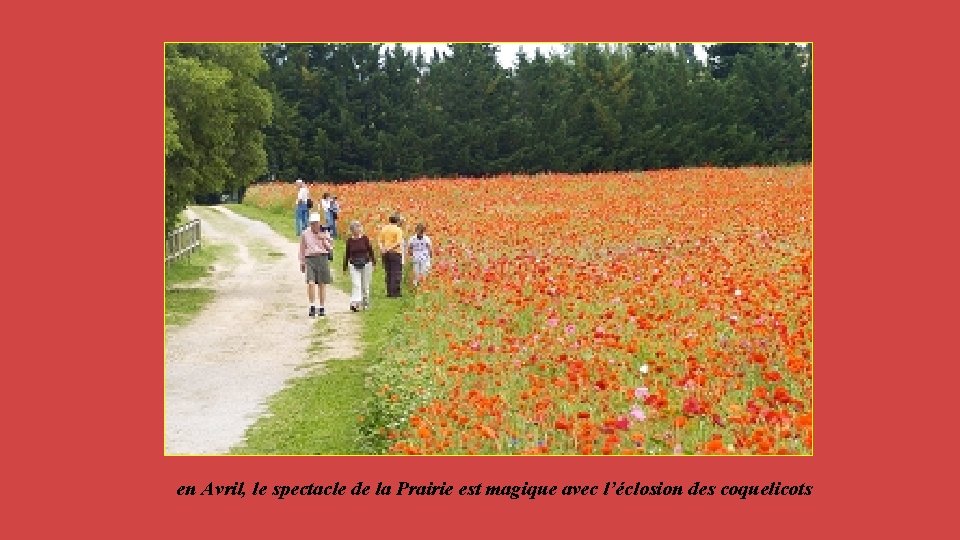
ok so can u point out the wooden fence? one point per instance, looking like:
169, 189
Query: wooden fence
183, 241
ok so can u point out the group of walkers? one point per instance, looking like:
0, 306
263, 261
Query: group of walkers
317, 231
329, 205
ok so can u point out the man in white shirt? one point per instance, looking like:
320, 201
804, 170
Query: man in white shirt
421, 250
302, 206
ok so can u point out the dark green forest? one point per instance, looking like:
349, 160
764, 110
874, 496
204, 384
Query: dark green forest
237, 113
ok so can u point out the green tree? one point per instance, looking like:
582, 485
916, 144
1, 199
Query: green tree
471, 92
776, 85
401, 136
197, 95
600, 95
215, 110
171, 142
721, 56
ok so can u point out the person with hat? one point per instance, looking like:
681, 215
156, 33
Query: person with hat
301, 206
315, 249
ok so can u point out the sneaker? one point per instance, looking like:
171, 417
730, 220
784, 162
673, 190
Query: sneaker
313, 311
354, 308
320, 312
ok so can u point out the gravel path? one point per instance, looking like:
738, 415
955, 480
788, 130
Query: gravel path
252, 338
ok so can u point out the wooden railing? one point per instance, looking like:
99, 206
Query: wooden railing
183, 241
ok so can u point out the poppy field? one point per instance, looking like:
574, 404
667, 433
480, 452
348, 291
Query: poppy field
663, 312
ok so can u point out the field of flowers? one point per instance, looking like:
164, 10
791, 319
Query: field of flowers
621, 313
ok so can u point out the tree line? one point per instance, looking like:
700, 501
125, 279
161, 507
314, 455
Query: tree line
349, 112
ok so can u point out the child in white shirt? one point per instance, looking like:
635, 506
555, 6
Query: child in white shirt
421, 250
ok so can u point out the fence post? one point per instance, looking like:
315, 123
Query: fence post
183, 241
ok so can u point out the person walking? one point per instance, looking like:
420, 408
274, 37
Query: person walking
301, 206
325, 208
334, 215
315, 249
403, 235
421, 251
360, 259
390, 242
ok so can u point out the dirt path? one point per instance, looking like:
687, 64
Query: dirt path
251, 339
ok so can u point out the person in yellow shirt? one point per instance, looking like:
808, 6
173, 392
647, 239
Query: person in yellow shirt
390, 241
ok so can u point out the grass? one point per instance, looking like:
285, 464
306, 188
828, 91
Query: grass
384, 330
182, 305
313, 415
327, 413
182, 298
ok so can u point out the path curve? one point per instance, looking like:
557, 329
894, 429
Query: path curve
249, 341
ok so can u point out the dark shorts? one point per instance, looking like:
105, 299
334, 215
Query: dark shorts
318, 269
